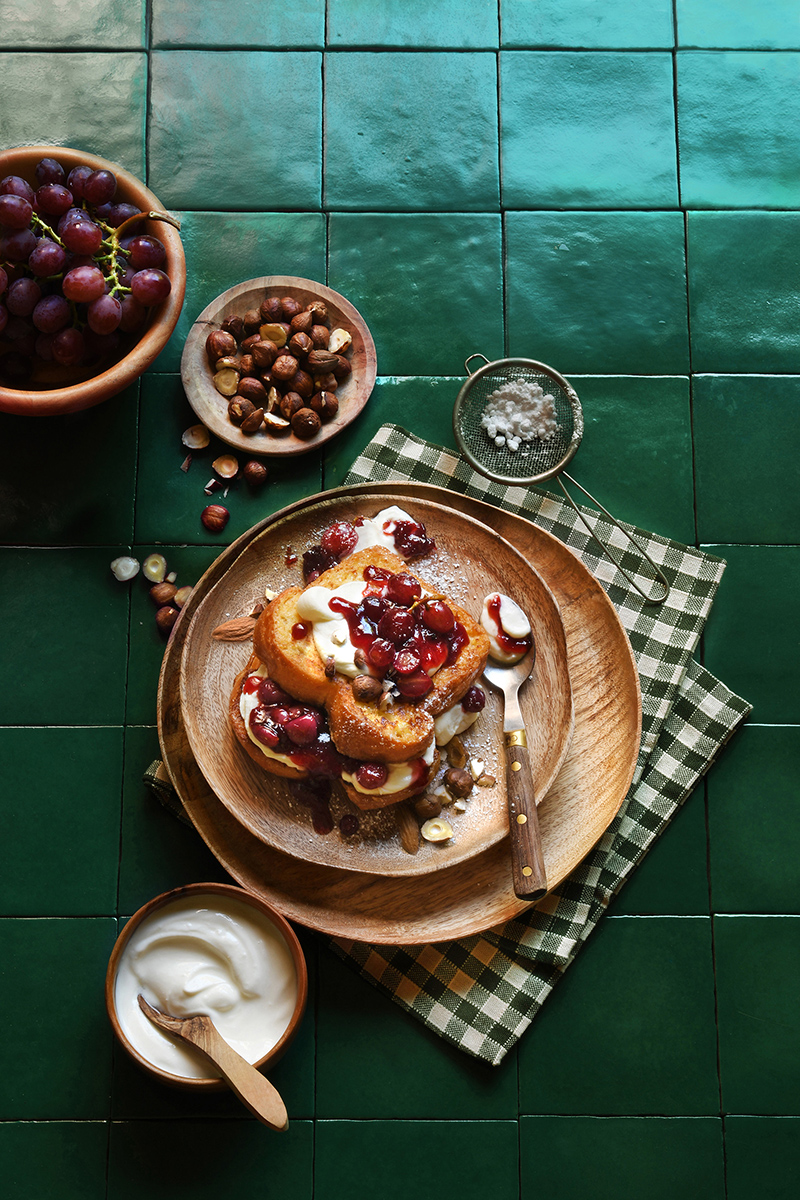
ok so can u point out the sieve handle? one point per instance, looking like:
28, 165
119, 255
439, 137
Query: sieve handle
469, 360
661, 577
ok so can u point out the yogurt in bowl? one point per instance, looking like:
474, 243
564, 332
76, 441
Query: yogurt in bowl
213, 949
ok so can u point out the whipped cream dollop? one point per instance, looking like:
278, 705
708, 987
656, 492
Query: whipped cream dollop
453, 721
380, 529
206, 954
330, 629
508, 628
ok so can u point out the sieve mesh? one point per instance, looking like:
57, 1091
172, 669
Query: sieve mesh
535, 460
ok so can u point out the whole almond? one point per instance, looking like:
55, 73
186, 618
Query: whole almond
239, 629
408, 829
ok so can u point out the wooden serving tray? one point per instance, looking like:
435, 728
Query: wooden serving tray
475, 895
470, 562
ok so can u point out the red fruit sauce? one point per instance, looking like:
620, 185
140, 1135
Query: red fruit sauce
508, 644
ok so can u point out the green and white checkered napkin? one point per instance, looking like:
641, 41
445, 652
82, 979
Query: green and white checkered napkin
481, 993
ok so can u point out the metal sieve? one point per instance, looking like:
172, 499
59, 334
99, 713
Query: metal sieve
537, 460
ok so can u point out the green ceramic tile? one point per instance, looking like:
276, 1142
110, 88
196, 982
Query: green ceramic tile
754, 823
636, 453
673, 877
170, 501
417, 1074
57, 1065
236, 156
405, 274
43, 459
398, 1159
756, 961
158, 851
223, 249
66, 782
762, 1157
53, 1158
62, 606
603, 134
622, 1158
137, 1096
630, 1029
598, 292
179, 24
110, 24
460, 24
738, 115
751, 328
421, 404
586, 23
207, 1159
747, 458
738, 23
94, 102
411, 131
749, 640
146, 649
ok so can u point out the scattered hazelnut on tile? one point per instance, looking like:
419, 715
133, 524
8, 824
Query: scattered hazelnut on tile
215, 517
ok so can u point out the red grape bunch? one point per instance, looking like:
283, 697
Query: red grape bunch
75, 275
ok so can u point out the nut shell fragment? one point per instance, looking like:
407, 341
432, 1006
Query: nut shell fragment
227, 381
196, 437
437, 830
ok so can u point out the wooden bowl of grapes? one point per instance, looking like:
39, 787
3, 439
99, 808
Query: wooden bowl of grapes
92, 279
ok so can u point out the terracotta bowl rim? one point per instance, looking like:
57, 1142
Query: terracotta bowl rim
180, 893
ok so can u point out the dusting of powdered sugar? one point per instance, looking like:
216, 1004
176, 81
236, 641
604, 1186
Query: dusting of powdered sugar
519, 412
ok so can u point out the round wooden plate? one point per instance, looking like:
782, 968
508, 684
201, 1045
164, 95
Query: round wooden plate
475, 895
470, 561
212, 408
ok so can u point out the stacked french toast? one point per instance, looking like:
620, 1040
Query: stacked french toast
350, 674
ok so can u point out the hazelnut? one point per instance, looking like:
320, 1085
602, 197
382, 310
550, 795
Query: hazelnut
340, 340
290, 307
162, 593
181, 596
326, 383
325, 405
302, 322
264, 353
427, 807
227, 381
166, 617
305, 424
252, 320
343, 367
276, 425
290, 404
232, 361
273, 399
284, 367
154, 568
234, 325
458, 782
255, 473
436, 830
247, 365
300, 344
303, 384
226, 466
252, 422
319, 336
239, 408
319, 309
366, 688
253, 390
215, 518
249, 342
196, 437
322, 360
218, 344
271, 308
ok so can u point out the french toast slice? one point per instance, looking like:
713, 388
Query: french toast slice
391, 732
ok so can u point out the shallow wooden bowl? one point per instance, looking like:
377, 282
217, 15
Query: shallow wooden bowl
477, 894
212, 408
210, 1083
57, 389
470, 561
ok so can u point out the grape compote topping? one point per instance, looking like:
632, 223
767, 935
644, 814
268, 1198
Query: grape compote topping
67, 241
340, 539
404, 636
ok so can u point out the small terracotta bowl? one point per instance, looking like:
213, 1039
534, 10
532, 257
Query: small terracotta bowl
197, 891
57, 389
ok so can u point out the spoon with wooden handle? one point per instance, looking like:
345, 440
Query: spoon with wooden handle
527, 862
254, 1091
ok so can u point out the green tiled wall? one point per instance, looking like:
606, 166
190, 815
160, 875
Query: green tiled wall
611, 187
